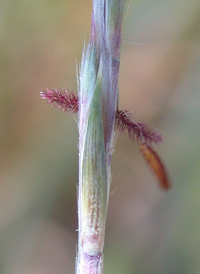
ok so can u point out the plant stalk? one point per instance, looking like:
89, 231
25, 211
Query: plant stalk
98, 98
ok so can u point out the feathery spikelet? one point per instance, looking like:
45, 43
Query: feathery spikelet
68, 101
143, 133
62, 99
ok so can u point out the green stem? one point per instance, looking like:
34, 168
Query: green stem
98, 95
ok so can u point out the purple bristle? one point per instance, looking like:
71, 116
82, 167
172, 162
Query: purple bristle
62, 99
142, 132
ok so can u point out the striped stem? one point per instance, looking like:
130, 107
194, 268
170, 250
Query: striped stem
98, 95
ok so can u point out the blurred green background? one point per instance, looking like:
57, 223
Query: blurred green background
148, 230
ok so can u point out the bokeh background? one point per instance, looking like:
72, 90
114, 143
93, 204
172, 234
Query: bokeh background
148, 230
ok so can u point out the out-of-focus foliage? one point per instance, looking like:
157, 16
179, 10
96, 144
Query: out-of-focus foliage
148, 230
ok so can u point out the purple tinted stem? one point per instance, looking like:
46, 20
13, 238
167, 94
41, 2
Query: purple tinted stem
98, 95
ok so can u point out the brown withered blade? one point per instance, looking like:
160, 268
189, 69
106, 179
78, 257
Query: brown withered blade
156, 165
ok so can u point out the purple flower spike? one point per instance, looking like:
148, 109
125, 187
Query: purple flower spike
62, 99
69, 101
143, 133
